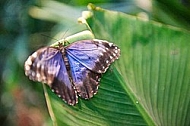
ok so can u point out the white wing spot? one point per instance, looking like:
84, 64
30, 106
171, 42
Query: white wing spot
38, 65
27, 67
26, 73
107, 61
97, 83
39, 79
42, 67
38, 75
107, 48
33, 73
110, 44
29, 61
48, 81
74, 88
116, 51
34, 54
111, 57
116, 48
104, 50
101, 54
100, 41
114, 54
57, 91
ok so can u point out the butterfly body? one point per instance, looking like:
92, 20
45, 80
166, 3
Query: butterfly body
72, 70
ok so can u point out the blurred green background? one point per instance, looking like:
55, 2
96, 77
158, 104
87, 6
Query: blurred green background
25, 26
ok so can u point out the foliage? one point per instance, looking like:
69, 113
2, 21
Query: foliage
148, 85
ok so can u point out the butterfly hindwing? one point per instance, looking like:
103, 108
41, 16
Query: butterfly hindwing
46, 65
86, 81
96, 55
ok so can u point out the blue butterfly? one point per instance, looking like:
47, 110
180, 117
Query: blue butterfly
73, 70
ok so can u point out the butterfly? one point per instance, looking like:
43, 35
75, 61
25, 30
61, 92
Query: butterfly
73, 70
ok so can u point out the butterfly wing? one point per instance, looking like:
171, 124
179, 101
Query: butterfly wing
86, 81
46, 65
88, 59
96, 55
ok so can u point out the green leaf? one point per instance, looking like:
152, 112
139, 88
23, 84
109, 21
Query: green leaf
148, 85
154, 63
111, 106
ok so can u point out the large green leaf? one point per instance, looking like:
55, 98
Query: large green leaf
154, 63
148, 85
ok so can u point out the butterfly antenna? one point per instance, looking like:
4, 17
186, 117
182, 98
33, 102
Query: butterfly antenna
65, 33
49, 37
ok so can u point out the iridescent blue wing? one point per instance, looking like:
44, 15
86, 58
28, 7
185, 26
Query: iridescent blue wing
96, 55
46, 65
88, 59
86, 81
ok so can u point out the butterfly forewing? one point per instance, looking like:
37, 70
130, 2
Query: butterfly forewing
37, 66
96, 55
46, 65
